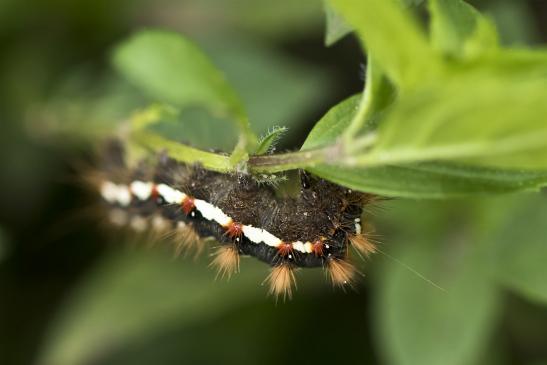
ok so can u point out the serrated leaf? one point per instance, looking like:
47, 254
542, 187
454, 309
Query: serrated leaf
393, 38
460, 30
419, 324
171, 69
520, 248
336, 27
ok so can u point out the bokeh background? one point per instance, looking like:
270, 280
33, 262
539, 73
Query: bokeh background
72, 292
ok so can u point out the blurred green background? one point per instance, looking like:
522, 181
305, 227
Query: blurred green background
73, 293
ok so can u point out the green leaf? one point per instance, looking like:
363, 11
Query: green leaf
391, 35
131, 297
425, 180
357, 114
248, 66
333, 123
171, 69
411, 2
336, 26
432, 180
480, 117
267, 143
520, 249
460, 30
419, 324
484, 39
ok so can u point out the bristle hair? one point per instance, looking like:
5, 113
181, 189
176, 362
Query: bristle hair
341, 272
361, 243
226, 261
186, 239
281, 280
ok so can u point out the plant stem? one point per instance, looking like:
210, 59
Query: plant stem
293, 160
181, 152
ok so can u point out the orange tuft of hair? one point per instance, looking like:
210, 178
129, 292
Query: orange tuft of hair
226, 261
187, 239
361, 243
341, 272
281, 280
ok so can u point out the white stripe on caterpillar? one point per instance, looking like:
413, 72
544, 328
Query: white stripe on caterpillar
121, 194
170, 195
212, 213
141, 190
109, 192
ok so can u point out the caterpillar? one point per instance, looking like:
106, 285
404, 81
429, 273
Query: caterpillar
315, 228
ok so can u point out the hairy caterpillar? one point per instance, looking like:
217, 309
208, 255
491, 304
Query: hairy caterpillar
313, 229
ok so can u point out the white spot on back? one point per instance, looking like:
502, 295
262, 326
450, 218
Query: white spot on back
270, 239
299, 246
141, 190
123, 195
170, 195
258, 235
252, 233
113, 193
357, 228
212, 213
108, 191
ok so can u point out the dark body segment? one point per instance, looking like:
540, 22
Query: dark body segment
323, 212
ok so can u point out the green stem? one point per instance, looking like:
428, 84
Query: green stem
181, 152
294, 160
